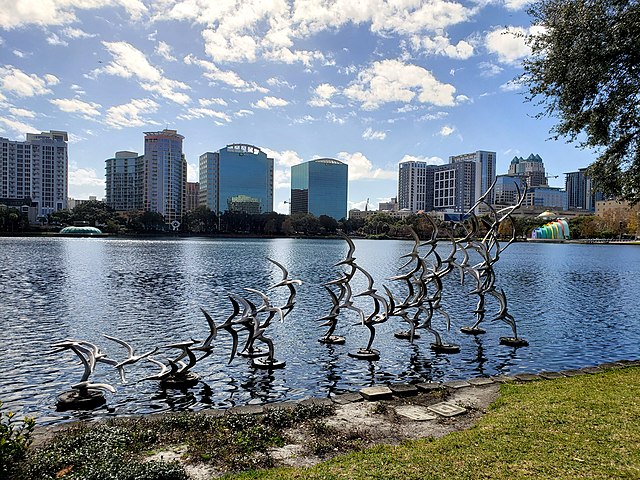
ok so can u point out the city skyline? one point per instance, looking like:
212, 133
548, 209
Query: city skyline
370, 85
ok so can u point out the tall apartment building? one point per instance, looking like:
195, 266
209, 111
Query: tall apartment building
36, 169
530, 169
453, 187
125, 181
319, 187
485, 174
580, 192
415, 186
193, 196
238, 177
165, 174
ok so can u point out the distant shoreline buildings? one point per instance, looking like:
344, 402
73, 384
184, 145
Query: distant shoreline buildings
239, 178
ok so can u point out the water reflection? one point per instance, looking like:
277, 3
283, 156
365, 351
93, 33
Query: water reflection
575, 304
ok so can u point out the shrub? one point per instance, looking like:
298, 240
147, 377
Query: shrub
15, 438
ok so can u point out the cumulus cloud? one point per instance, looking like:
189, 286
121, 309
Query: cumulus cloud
192, 172
371, 134
394, 81
446, 131
516, 4
21, 112
511, 86
164, 50
204, 112
81, 177
361, 168
128, 61
208, 102
441, 45
488, 69
322, 95
22, 84
419, 158
73, 105
283, 160
270, 102
131, 114
18, 13
17, 126
510, 43
228, 77
54, 39
74, 33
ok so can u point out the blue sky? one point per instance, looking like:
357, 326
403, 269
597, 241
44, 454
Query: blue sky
371, 83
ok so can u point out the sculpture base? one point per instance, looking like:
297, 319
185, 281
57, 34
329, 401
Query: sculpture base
445, 347
254, 353
332, 340
473, 330
186, 380
406, 335
364, 354
513, 342
266, 364
75, 400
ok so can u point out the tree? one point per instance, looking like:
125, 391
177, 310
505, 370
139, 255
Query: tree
585, 70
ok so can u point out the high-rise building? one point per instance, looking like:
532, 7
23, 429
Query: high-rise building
530, 169
319, 187
36, 169
125, 181
165, 174
415, 186
233, 171
193, 196
580, 192
453, 187
485, 163
506, 189
547, 197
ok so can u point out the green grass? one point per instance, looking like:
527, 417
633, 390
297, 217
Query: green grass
579, 427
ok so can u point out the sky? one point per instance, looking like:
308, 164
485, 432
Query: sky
369, 82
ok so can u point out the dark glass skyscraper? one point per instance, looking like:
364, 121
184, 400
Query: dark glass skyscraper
319, 187
238, 177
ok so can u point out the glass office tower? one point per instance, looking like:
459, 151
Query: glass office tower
237, 171
319, 187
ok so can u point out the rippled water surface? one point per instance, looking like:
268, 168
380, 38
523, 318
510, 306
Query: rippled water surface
577, 305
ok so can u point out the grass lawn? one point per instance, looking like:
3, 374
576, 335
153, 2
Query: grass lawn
580, 427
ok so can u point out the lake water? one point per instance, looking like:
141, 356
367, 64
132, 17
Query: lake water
577, 305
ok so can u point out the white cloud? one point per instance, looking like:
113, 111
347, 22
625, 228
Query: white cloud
243, 113
130, 114
418, 158
441, 45
21, 112
21, 84
164, 50
511, 86
192, 172
488, 69
361, 168
73, 105
433, 116
54, 39
333, 118
20, 54
446, 131
284, 160
224, 46
17, 126
463, 99
270, 102
371, 134
516, 4
322, 95
394, 81
286, 55
204, 112
278, 82
208, 102
229, 77
510, 43
81, 177
129, 62
75, 33
18, 13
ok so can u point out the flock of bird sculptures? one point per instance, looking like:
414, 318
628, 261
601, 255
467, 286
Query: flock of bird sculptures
423, 281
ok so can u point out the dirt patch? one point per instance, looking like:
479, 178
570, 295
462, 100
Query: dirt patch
362, 424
